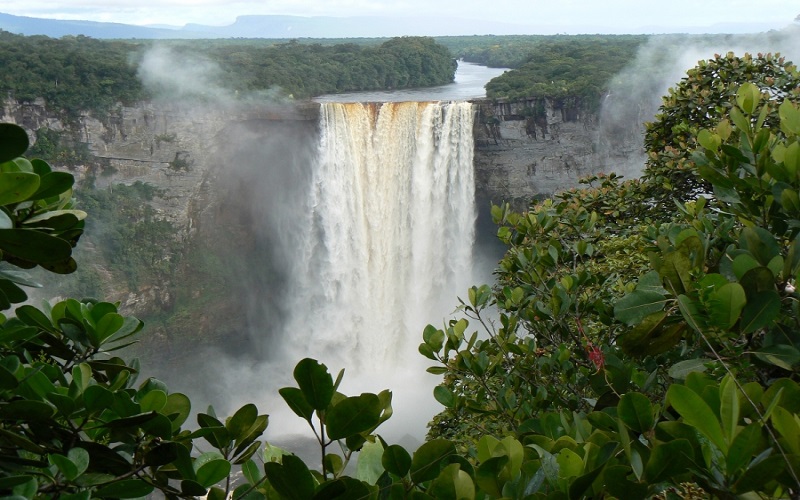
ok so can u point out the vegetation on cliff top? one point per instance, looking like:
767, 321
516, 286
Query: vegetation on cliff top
75, 74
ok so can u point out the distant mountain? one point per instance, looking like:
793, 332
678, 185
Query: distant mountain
330, 27
57, 28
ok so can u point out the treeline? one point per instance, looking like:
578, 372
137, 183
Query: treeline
575, 68
81, 73
70, 73
306, 70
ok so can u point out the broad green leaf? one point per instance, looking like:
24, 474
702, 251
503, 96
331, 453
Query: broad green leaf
762, 310
653, 335
153, 401
781, 355
748, 97
756, 475
291, 478
760, 243
635, 306
26, 410
726, 304
788, 426
636, 411
17, 186
128, 488
316, 383
369, 466
729, 407
212, 472
444, 396
428, 459
241, 421
396, 460
668, 460
97, 398
682, 369
53, 184
570, 464
13, 142
353, 415
252, 472
452, 484
34, 246
743, 447
65, 466
296, 400
488, 475
790, 117
691, 313
177, 408
696, 412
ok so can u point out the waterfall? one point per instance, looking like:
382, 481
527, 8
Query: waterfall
387, 235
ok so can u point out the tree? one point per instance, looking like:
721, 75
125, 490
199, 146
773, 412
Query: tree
703, 98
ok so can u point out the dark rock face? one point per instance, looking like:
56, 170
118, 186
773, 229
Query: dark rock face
529, 149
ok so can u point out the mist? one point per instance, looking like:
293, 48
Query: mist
635, 94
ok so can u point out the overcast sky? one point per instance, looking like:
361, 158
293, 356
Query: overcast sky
631, 16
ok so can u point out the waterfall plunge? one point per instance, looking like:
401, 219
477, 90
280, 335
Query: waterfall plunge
387, 238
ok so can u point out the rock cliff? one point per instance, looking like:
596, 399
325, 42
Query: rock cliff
533, 148
208, 167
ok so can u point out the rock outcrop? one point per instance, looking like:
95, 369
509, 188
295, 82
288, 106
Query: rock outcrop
527, 149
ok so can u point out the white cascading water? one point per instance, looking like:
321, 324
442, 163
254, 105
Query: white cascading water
388, 237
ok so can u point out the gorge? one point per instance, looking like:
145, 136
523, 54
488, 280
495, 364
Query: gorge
301, 266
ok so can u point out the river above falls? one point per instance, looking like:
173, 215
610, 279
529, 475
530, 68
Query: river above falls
469, 84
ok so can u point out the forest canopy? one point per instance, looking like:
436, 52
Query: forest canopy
79, 73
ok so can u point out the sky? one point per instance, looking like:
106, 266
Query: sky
581, 16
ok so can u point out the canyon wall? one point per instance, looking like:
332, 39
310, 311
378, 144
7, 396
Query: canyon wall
523, 150
527, 149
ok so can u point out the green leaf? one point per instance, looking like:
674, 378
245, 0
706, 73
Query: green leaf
729, 407
652, 336
691, 313
428, 459
636, 411
488, 475
34, 246
13, 142
26, 410
315, 382
353, 415
128, 488
726, 304
696, 412
444, 396
17, 186
291, 478
682, 369
177, 408
53, 184
762, 310
241, 421
760, 243
780, 355
452, 484
252, 472
743, 447
635, 306
212, 472
668, 460
396, 460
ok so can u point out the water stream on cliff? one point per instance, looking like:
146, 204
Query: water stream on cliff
372, 238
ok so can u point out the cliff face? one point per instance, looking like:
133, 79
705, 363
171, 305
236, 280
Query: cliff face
533, 148
210, 165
